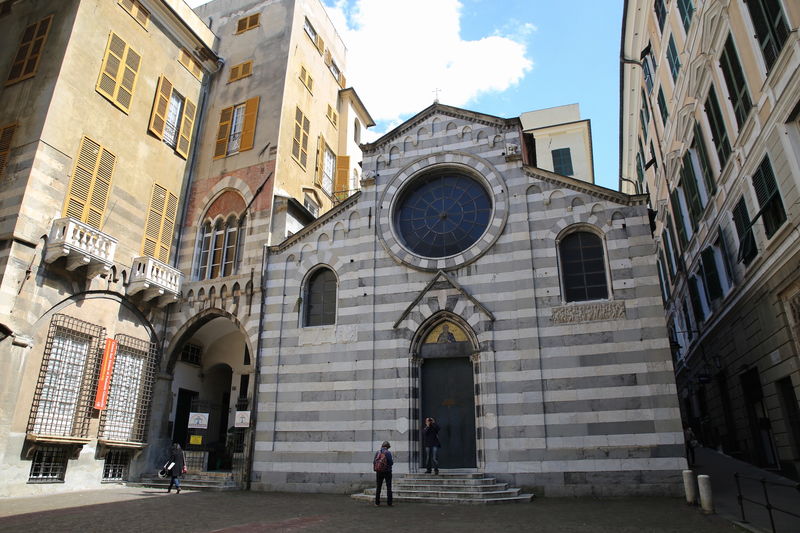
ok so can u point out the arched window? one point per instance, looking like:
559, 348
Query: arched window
219, 248
320, 298
583, 267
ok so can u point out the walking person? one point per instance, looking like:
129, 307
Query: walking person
430, 441
175, 467
691, 444
382, 465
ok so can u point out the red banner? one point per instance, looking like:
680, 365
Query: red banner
106, 369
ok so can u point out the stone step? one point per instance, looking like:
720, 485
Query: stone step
522, 498
472, 482
448, 487
451, 494
192, 484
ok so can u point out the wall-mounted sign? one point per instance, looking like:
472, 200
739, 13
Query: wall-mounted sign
106, 369
198, 421
196, 439
242, 419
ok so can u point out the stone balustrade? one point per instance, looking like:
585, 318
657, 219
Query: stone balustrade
155, 279
82, 245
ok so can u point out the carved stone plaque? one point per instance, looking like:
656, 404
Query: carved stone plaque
570, 314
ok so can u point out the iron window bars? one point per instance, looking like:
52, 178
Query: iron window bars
49, 464
125, 419
62, 403
116, 465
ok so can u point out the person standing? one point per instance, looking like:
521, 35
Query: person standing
430, 441
382, 464
176, 467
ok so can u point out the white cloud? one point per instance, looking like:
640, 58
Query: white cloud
399, 52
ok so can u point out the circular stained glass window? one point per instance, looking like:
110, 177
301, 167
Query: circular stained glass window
442, 214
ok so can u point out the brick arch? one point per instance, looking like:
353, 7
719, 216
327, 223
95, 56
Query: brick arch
228, 203
226, 183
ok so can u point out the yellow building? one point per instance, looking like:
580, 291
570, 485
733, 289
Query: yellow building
709, 128
98, 105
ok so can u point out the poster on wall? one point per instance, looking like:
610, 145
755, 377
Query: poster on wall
242, 419
106, 369
198, 421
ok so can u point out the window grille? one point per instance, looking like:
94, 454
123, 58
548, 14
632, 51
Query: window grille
583, 267
116, 465
49, 465
191, 353
125, 418
62, 401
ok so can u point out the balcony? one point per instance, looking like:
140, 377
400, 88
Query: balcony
82, 245
155, 280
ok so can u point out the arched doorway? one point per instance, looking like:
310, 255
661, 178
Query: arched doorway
213, 376
447, 388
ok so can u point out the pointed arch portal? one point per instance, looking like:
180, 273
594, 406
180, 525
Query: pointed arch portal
446, 349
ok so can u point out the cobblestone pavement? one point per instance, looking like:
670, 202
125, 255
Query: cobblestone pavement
129, 509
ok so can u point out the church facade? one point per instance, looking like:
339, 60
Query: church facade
518, 307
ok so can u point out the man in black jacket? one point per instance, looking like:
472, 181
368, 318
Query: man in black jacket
430, 440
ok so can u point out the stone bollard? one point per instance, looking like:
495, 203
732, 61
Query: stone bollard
689, 487
706, 499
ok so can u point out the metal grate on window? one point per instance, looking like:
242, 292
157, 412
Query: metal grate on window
191, 353
49, 465
116, 465
62, 401
132, 379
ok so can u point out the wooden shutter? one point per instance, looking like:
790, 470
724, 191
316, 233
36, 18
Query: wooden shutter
187, 125
6, 135
223, 132
235, 73
160, 224
320, 44
185, 58
119, 72
26, 61
90, 183
241, 25
246, 69
158, 118
711, 274
249, 126
252, 21
342, 80
136, 10
328, 58
320, 161
678, 215
342, 182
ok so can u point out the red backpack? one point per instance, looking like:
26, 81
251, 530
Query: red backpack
381, 462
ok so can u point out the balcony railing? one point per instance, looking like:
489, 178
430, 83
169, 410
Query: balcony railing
82, 245
155, 279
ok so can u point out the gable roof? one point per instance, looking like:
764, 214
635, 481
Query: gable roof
440, 109
585, 187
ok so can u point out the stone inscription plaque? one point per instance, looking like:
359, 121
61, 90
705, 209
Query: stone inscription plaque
570, 314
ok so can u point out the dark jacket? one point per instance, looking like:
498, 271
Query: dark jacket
176, 456
430, 436
389, 458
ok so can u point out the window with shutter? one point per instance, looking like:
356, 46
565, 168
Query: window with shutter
735, 81
190, 63
744, 230
771, 28
672, 59
160, 224
711, 273
678, 215
342, 185
136, 10
172, 118
90, 184
662, 107
248, 23
119, 72
6, 136
694, 296
699, 146
306, 78
769, 198
718, 132
223, 132
328, 170
300, 138
332, 115
187, 126
249, 124
237, 126
242, 70
689, 185
29, 52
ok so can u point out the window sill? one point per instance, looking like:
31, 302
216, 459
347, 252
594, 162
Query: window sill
121, 444
56, 439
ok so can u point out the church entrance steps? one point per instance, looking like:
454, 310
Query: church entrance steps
211, 481
448, 487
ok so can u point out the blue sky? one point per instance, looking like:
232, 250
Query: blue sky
501, 57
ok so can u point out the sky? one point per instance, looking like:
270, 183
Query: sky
500, 57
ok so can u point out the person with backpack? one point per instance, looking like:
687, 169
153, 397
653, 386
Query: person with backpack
382, 465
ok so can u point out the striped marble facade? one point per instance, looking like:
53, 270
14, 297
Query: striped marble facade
573, 398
